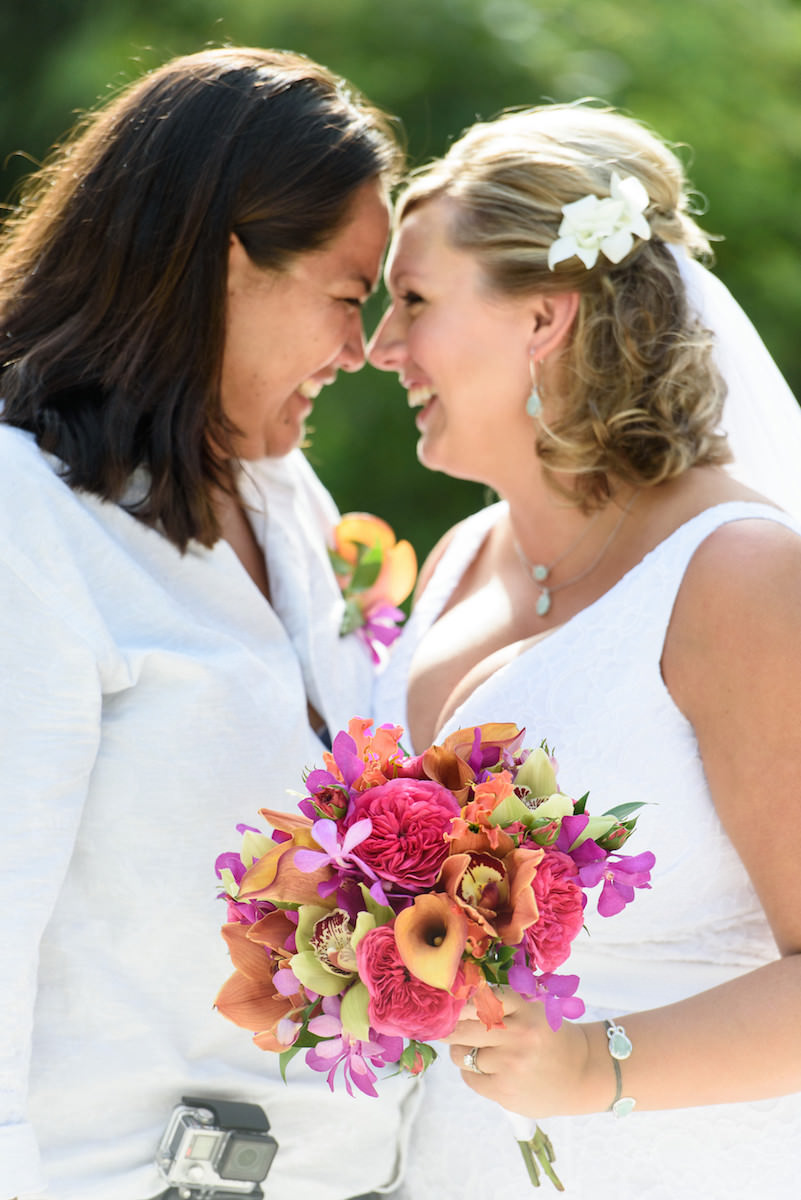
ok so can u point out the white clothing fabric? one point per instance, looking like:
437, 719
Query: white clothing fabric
150, 702
761, 417
593, 688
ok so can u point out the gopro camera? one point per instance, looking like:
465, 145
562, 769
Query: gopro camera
216, 1150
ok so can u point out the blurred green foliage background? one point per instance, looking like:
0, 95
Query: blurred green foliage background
721, 77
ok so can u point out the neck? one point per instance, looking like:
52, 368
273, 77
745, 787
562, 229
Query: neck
563, 547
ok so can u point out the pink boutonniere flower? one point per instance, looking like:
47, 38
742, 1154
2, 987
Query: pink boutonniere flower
376, 574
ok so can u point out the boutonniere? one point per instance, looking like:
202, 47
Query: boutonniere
375, 573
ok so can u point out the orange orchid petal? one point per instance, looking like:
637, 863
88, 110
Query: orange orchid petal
288, 822
491, 840
251, 1004
359, 729
248, 957
431, 935
451, 875
522, 909
489, 1007
268, 1041
273, 930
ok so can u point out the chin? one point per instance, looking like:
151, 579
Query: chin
428, 457
279, 443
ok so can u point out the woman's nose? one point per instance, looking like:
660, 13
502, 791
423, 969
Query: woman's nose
386, 348
354, 353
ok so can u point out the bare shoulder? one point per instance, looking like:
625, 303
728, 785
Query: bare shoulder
745, 567
741, 595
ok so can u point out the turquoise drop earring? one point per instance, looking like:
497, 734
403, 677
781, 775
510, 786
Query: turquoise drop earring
534, 402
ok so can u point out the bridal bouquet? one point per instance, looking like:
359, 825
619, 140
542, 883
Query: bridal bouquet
404, 886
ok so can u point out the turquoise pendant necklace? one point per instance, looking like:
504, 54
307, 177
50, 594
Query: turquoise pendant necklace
540, 572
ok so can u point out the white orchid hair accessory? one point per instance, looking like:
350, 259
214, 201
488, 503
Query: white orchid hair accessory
591, 226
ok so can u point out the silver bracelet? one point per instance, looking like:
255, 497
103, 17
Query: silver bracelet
619, 1049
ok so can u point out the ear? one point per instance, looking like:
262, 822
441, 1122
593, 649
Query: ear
237, 255
552, 320
241, 268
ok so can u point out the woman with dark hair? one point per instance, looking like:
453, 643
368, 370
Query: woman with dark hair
176, 286
633, 604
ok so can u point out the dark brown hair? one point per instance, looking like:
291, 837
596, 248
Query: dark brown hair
113, 267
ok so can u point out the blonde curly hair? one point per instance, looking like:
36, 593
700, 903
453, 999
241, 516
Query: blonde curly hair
639, 395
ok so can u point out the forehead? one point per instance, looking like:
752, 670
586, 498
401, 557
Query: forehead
422, 243
357, 248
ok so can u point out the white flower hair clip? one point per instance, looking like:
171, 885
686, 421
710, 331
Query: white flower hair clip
591, 226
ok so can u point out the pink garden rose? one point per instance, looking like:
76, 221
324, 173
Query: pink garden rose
560, 901
410, 819
399, 1003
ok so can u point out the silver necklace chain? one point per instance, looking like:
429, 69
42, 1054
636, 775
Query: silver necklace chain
539, 572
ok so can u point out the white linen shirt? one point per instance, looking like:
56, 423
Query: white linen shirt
151, 701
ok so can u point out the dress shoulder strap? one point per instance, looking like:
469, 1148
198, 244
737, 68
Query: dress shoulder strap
646, 596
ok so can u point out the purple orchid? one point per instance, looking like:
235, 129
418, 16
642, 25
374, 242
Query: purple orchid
340, 1049
621, 874
335, 852
381, 627
556, 992
243, 912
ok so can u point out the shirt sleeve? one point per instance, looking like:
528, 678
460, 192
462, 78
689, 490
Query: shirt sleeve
50, 705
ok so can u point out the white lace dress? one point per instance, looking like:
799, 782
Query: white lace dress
594, 689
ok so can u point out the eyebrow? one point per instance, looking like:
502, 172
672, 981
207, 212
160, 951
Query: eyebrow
357, 277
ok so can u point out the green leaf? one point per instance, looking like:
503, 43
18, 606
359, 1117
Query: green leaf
285, 1058
352, 618
622, 811
341, 565
367, 569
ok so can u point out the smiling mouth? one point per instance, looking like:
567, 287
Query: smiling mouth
310, 388
418, 396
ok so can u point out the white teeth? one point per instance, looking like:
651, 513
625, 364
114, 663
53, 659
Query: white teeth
311, 388
419, 395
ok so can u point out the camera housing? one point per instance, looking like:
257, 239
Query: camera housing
216, 1150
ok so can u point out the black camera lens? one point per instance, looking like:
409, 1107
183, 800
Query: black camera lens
247, 1156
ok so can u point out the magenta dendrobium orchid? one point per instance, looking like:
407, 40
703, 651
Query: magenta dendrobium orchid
337, 1048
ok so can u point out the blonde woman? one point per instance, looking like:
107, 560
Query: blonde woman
631, 602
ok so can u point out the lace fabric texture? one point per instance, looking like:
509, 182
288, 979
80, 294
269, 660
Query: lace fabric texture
700, 925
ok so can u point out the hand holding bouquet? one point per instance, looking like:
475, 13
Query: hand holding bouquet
407, 885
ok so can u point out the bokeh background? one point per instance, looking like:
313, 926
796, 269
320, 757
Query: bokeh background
720, 77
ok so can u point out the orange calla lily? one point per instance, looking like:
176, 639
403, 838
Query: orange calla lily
431, 935
449, 763
275, 877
